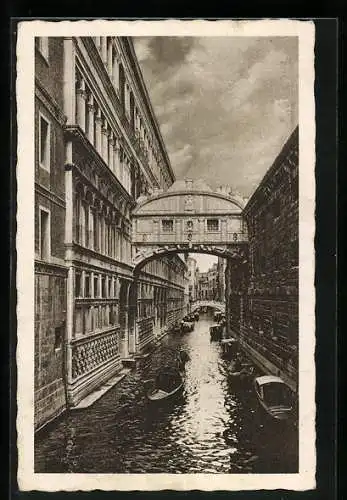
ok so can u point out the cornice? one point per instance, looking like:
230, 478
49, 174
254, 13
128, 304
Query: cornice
111, 106
169, 194
134, 67
43, 191
276, 165
74, 132
50, 103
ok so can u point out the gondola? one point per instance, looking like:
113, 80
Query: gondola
158, 395
169, 381
229, 347
216, 332
275, 397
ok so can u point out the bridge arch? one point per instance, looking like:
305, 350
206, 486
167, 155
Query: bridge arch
220, 306
143, 255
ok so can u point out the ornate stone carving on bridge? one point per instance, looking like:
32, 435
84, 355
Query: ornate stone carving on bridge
189, 203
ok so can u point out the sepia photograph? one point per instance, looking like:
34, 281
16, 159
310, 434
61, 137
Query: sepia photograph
166, 310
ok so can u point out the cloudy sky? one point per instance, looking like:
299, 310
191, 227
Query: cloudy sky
225, 105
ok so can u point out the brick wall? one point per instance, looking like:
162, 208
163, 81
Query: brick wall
50, 313
262, 296
50, 273
50, 71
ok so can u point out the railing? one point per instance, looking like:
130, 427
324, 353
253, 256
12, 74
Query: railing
209, 303
90, 352
184, 236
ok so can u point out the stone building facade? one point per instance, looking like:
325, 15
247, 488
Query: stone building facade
192, 274
221, 269
262, 293
96, 129
210, 284
50, 268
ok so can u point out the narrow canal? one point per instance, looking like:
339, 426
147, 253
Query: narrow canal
216, 427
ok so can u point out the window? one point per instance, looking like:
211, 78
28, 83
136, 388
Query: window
96, 287
78, 285
95, 232
58, 336
213, 225
42, 45
44, 140
87, 286
167, 225
45, 243
103, 287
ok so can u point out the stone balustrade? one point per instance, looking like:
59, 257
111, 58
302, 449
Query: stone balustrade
91, 352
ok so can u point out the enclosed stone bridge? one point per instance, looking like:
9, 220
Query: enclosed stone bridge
188, 218
219, 306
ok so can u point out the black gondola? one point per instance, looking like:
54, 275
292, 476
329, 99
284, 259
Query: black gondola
216, 332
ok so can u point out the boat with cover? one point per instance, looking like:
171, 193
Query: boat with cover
229, 347
275, 397
169, 380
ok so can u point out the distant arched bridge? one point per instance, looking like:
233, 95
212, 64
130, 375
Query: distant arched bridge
215, 304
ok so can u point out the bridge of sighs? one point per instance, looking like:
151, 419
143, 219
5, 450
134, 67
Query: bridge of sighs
188, 218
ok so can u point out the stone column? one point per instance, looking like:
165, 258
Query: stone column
91, 111
70, 284
81, 105
97, 42
92, 291
116, 156
98, 122
112, 287
101, 233
99, 286
69, 75
105, 141
91, 228
109, 57
83, 276
104, 49
115, 71
120, 164
111, 151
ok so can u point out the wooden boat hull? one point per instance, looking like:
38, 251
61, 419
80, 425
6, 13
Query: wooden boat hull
279, 412
160, 396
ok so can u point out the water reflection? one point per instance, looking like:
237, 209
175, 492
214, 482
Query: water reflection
213, 427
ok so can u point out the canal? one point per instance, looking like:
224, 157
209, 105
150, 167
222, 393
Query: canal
216, 427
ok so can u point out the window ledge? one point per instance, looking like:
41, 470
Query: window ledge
43, 57
44, 167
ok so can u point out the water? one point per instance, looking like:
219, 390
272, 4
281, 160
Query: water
215, 427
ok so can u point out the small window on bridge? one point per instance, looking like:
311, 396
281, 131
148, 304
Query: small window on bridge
212, 225
167, 225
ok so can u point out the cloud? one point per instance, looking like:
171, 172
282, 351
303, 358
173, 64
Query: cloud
225, 105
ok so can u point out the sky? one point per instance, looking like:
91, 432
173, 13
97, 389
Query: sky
204, 261
225, 105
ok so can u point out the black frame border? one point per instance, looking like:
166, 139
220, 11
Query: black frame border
326, 67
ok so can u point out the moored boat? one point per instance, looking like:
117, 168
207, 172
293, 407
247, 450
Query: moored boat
275, 397
229, 347
215, 332
168, 383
